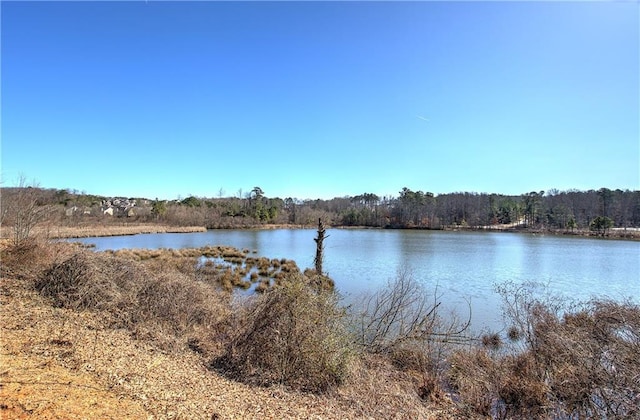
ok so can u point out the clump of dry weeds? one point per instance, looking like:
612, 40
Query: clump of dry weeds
165, 306
579, 363
401, 322
292, 335
377, 388
30, 257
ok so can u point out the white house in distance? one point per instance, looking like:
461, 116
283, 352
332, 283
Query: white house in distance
77, 210
118, 207
108, 207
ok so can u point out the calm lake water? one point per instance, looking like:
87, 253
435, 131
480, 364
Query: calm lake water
463, 266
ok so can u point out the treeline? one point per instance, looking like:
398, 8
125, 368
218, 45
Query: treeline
553, 209
564, 210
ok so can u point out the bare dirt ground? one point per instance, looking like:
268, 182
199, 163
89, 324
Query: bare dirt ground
58, 363
63, 364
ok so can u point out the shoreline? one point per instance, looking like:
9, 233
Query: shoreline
633, 234
95, 231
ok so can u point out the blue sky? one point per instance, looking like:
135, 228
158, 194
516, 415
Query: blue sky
320, 99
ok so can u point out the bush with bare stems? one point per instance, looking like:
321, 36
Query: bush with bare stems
580, 362
293, 334
22, 209
402, 321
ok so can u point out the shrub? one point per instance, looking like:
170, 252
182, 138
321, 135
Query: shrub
179, 302
522, 391
580, 362
83, 281
401, 322
591, 359
292, 335
402, 311
491, 341
473, 376
165, 306
28, 259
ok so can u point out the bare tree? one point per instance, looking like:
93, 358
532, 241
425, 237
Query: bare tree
23, 210
319, 247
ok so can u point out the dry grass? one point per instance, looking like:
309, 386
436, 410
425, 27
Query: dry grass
94, 230
144, 324
166, 305
64, 364
49, 363
292, 335
581, 363
381, 390
31, 257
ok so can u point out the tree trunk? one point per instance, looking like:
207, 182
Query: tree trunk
319, 247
